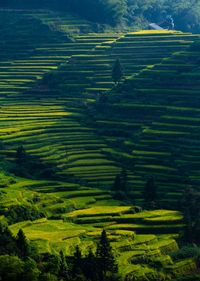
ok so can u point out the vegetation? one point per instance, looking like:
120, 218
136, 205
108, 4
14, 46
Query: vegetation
150, 193
186, 14
191, 216
22, 262
93, 174
117, 72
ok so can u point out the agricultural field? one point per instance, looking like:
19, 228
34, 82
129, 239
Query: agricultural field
51, 84
72, 215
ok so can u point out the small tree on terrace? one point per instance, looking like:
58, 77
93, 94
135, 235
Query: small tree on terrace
22, 244
63, 269
117, 72
150, 193
105, 258
120, 183
21, 155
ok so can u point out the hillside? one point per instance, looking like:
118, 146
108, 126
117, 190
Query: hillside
54, 70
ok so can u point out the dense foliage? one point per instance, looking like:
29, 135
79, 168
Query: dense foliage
191, 210
20, 261
136, 13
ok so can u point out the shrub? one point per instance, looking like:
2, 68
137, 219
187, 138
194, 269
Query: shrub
186, 252
22, 213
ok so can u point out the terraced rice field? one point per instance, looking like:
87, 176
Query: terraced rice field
163, 104
55, 120
80, 153
63, 229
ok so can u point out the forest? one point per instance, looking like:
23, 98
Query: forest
186, 13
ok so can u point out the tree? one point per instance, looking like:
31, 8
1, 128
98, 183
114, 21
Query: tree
191, 211
77, 263
150, 193
48, 277
63, 271
124, 179
51, 263
91, 266
7, 241
117, 184
21, 155
120, 186
78, 256
117, 72
11, 268
31, 272
105, 257
22, 244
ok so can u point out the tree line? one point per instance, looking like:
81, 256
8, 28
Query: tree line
20, 261
136, 13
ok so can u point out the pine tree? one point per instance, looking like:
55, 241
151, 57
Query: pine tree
120, 186
7, 241
31, 272
117, 72
22, 244
105, 257
196, 230
191, 212
117, 184
63, 270
21, 155
124, 178
150, 193
91, 266
77, 263
78, 255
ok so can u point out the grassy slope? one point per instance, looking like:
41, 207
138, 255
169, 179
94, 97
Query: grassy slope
163, 102
55, 125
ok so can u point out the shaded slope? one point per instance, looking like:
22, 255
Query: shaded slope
53, 119
163, 104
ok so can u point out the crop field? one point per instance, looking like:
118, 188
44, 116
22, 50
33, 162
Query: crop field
132, 235
50, 84
167, 146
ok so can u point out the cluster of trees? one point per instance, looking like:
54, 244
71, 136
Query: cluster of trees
19, 261
27, 165
191, 210
120, 187
121, 190
186, 13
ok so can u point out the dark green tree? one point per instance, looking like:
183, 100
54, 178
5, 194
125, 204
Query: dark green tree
21, 155
77, 263
78, 256
51, 263
106, 261
31, 272
124, 179
11, 268
64, 270
48, 277
150, 193
117, 72
91, 266
117, 184
120, 187
191, 211
22, 244
7, 241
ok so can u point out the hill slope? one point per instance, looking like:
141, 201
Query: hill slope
50, 104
